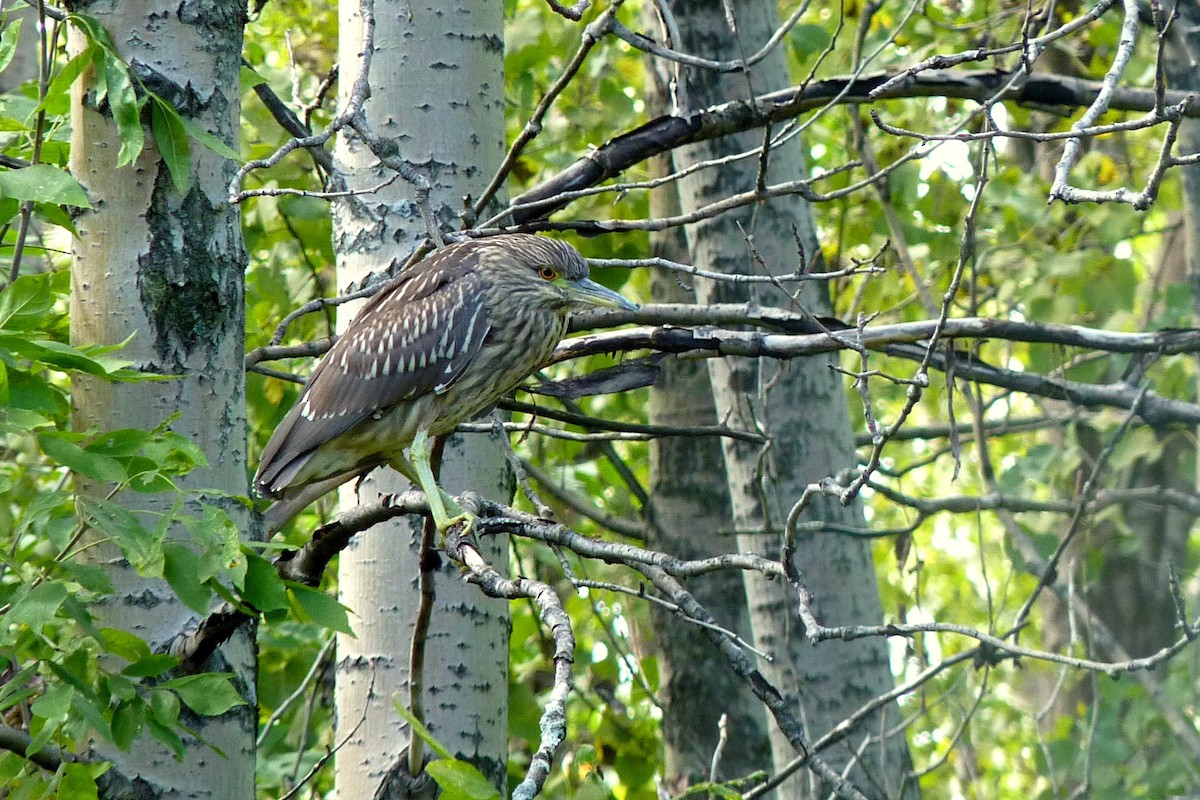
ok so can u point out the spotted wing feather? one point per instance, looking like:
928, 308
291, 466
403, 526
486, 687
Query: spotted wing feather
415, 337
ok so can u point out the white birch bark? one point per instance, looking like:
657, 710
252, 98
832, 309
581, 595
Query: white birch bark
437, 91
168, 269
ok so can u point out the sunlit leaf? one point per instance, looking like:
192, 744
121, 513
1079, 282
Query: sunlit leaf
43, 183
8, 42
37, 606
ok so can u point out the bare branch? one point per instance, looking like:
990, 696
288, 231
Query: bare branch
554, 715
666, 133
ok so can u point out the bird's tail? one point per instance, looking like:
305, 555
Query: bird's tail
291, 502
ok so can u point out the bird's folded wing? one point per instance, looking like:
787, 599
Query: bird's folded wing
415, 337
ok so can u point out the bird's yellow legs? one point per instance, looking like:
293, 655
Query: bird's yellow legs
445, 511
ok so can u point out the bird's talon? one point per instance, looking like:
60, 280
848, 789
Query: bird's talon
466, 520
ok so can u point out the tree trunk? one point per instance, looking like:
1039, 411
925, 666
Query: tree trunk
437, 92
688, 516
801, 405
167, 269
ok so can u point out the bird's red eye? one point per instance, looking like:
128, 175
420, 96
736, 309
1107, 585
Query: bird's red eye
549, 273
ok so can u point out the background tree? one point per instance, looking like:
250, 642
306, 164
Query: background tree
800, 405
1020, 379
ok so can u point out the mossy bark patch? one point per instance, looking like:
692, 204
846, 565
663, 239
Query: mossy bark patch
188, 283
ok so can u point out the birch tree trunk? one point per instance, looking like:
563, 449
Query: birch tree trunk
686, 515
800, 404
167, 269
436, 92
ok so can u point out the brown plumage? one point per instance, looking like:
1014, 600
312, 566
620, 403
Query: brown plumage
434, 347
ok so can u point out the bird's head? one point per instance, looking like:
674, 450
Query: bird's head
554, 273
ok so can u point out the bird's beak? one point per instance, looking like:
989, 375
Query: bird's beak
589, 293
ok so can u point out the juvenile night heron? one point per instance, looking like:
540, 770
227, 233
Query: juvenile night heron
435, 346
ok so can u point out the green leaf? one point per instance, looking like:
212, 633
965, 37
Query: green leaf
172, 141
151, 666
48, 212
128, 721
218, 537
8, 43
58, 93
142, 548
17, 689
263, 588
54, 704
93, 711
209, 140
180, 570
461, 781
120, 687
103, 468
124, 644
314, 606
93, 30
167, 736
808, 40
79, 780
33, 393
72, 608
420, 730
164, 718
209, 694
249, 78
25, 302
73, 670
11, 765
126, 110
52, 354
164, 706
145, 476
43, 734
43, 183
174, 453
37, 606
708, 790
119, 443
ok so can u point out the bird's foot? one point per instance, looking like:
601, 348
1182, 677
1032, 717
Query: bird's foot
464, 518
